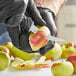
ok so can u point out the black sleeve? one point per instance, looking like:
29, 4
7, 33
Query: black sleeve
11, 11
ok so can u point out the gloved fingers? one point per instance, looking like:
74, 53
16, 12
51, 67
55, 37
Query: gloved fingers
48, 17
34, 13
26, 24
14, 35
45, 49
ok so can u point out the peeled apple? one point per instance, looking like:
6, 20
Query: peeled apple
39, 40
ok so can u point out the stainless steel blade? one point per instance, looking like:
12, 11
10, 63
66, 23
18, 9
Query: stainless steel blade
52, 38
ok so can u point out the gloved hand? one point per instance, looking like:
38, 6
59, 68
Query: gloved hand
12, 13
49, 17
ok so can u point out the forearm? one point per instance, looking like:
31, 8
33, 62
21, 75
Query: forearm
53, 5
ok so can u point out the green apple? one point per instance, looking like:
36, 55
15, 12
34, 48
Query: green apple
39, 40
68, 50
4, 60
6, 50
9, 45
54, 53
62, 69
21, 54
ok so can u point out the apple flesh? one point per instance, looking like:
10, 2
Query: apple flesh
6, 50
39, 40
54, 53
68, 50
4, 60
72, 59
21, 54
62, 69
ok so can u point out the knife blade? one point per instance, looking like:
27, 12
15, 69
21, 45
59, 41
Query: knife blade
34, 30
52, 38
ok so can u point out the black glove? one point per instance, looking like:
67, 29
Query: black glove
12, 13
49, 17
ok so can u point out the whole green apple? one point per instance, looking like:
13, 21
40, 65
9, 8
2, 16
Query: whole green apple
62, 69
4, 60
68, 50
54, 53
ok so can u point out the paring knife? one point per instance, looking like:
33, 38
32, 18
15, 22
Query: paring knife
34, 29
